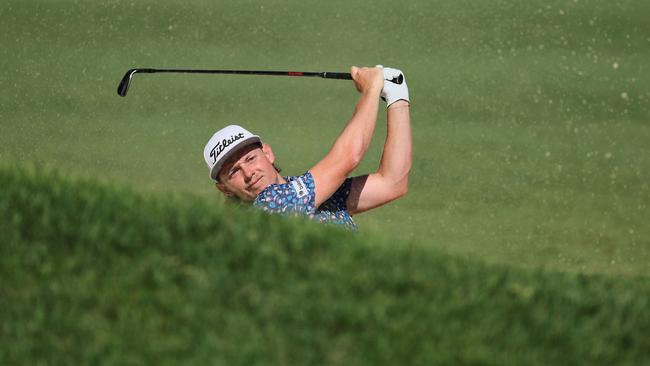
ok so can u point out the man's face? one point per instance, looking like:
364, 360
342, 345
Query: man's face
248, 172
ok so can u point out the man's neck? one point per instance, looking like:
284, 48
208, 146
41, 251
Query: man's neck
279, 179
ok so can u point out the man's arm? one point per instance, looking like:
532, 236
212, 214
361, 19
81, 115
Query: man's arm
352, 144
390, 181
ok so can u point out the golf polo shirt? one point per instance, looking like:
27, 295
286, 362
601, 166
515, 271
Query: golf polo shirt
298, 197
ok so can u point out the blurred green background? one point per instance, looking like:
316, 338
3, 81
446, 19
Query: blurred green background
530, 119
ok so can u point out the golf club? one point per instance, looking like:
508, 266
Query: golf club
123, 88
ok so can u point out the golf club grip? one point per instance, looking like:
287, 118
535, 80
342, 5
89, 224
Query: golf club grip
337, 75
348, 76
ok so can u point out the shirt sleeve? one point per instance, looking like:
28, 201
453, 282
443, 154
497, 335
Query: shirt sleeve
297, 196
338, 200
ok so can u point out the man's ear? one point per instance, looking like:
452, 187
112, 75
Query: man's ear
266, 149
222, 187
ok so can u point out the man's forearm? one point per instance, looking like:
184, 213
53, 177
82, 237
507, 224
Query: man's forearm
397, 155
354, 140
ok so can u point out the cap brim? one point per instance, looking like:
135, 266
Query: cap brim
214, 172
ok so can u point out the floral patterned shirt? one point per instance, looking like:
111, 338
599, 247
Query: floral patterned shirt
297, 197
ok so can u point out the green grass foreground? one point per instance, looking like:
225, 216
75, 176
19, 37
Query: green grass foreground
92, 274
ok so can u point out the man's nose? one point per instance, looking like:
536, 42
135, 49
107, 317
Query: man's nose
247, 171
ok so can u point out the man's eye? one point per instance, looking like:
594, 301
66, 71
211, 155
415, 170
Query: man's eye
250, 158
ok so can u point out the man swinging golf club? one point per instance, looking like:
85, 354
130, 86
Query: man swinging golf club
243, 167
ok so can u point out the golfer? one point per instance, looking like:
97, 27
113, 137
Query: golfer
242, 166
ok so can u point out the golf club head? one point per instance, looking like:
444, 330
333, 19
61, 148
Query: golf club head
123, 88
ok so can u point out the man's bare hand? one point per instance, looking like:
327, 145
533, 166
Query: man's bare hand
367, 79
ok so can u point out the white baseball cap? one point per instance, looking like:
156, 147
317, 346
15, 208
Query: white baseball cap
224, 144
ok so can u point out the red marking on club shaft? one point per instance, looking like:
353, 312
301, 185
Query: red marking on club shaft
295, 73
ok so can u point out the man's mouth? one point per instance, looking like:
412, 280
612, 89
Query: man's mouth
252, 185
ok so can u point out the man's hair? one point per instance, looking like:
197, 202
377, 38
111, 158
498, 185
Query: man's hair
277, 168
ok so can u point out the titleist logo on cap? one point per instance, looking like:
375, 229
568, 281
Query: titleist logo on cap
222, 145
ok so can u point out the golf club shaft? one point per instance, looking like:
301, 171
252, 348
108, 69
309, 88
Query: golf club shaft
123, 88
326, 75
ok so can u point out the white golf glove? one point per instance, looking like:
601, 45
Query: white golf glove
392, 92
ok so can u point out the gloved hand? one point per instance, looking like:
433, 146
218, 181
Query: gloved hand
392, 92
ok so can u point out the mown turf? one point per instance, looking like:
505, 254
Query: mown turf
91, 274
530, 118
